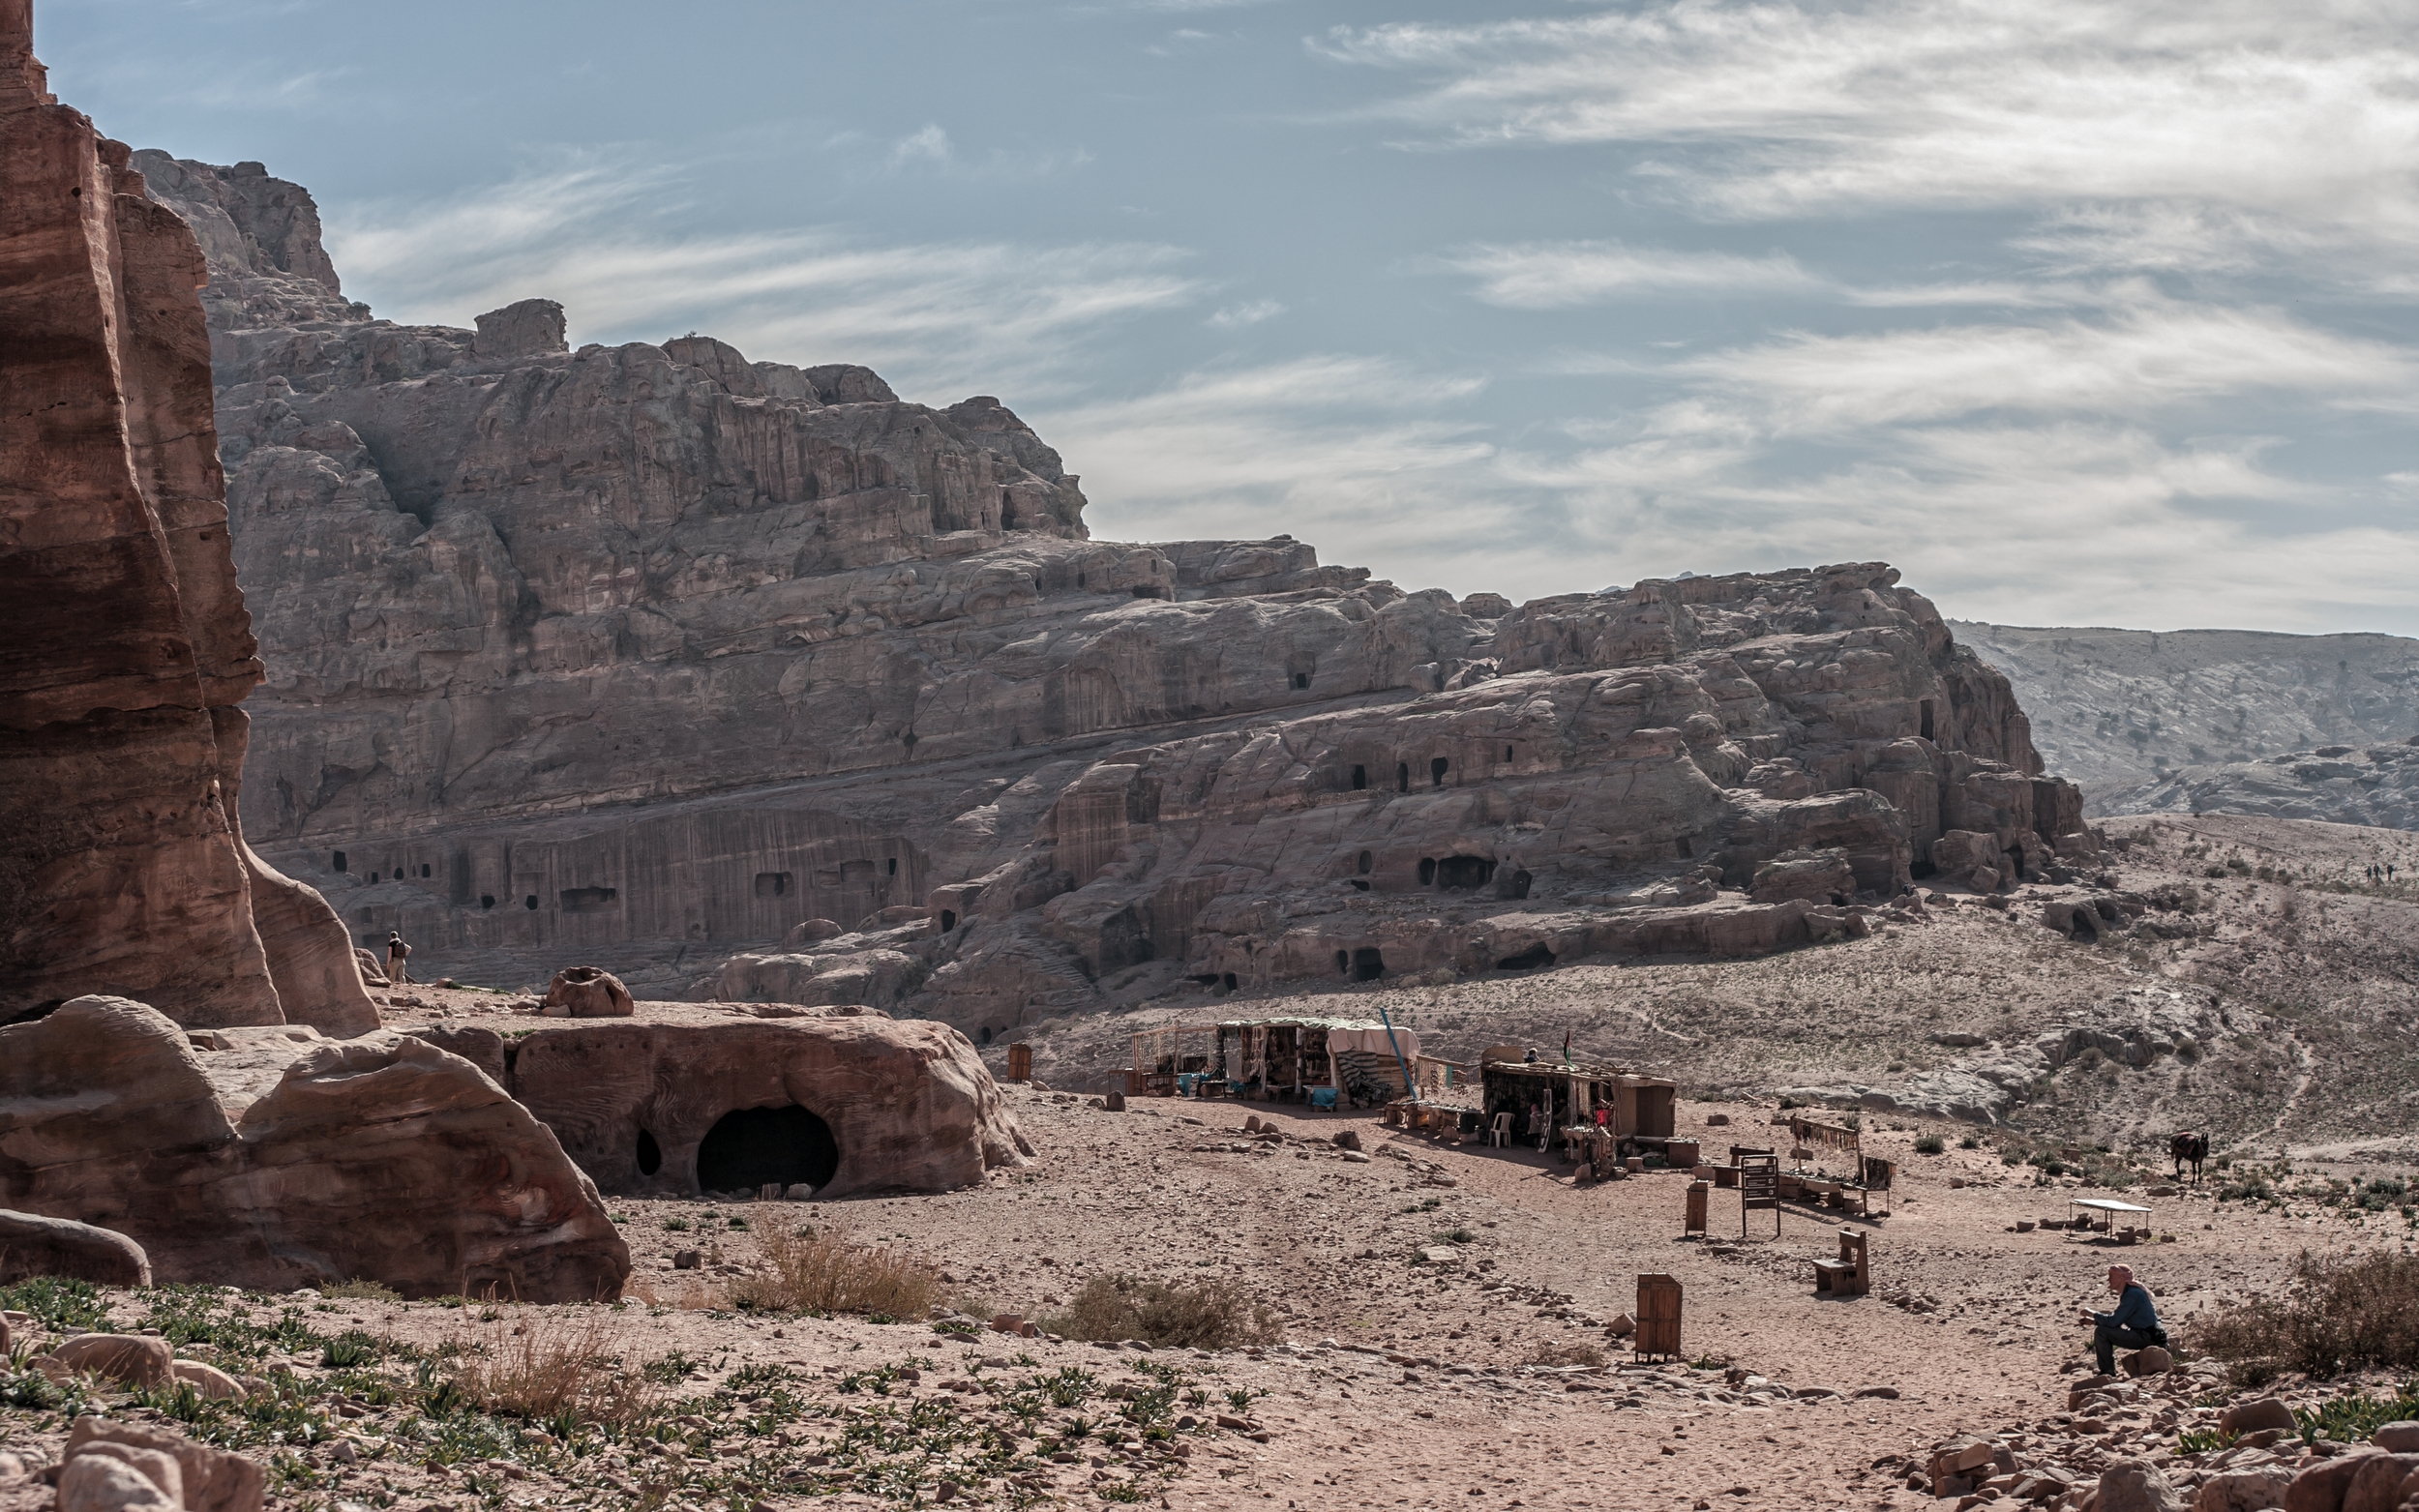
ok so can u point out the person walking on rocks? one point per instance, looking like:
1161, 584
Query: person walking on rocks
2132, 1325
396, 953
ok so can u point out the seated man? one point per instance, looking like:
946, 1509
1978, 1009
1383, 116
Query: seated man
2133, 1326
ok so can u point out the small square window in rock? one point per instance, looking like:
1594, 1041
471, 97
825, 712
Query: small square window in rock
587, 900
530, 903
774, 884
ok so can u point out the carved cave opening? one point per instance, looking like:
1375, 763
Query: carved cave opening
774, 884
751, 1148
1366, 861
1437, 767
587, 900
1361, 781
486, 900
1302, 680
1536, 957
948, 920
1464, 871
1403, 777
1928, 719
1367, 964
1427, 870
336, 862
649, 1154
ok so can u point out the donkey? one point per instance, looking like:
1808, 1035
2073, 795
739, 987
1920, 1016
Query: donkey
2189, 1148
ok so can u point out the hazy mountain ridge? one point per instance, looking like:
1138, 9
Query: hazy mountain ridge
2117, 709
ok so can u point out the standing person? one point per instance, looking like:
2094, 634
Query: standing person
2132, 1325
397, 951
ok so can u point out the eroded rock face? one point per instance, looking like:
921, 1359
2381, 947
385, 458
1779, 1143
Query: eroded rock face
756, 682
124, 642
286, 1159
843, 1103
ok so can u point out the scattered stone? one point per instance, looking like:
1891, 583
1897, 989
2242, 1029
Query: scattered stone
2152, 1361
33, 1245
588, 992
127, 1358
2250, 1418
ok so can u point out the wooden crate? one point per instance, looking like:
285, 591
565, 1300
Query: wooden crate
1698, 1193
1658, 1317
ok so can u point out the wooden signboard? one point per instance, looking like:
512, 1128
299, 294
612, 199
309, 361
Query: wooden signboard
1658, 1317
1759, 1186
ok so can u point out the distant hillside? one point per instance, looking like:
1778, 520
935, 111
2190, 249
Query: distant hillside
2116, 709
2378, 786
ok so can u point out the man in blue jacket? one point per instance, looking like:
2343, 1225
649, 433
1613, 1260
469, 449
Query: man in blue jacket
2133, 1326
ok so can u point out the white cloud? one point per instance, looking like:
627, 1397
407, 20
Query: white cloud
2309, 112
2145, 360
931, 145
946, 318
1251, 313
1551, 275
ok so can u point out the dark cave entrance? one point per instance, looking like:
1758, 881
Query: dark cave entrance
650, 1154
751, 1148
1928, 719
1367, 964
1464, 871
1530, 959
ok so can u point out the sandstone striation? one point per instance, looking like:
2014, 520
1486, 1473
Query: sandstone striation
758, 682
124, 647
275, 1158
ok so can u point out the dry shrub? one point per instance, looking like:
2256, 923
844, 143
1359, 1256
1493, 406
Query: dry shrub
831, 1272
1566, 1354
363, 1290
549, 1368
2342, 1313
1204, 1315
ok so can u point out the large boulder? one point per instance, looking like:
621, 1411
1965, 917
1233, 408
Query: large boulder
841, 1103
2257, 1416
211, 1480
33, 1245
286, 1159
2138, 1486
587, 992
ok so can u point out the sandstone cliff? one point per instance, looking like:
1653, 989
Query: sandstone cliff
759, 681
124, 647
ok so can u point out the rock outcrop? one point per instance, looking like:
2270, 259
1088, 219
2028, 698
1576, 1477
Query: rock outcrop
275, 1158
124, 647
841, 1104
2375, 786
661, 656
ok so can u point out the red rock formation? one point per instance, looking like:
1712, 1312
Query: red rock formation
282, 1159
124, 641
683, 1107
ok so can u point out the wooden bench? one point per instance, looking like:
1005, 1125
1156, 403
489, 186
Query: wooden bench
1849, 1275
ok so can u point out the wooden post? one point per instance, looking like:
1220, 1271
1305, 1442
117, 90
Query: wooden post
1698, 1195
1658, 1317
1020, 1062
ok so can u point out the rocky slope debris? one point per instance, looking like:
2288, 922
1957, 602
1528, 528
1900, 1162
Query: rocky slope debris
660, 655
2119, 709
124, 647
2375, 785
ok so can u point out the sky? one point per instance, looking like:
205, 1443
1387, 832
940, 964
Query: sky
2078, 312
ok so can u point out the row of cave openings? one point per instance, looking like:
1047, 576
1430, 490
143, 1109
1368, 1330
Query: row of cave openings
751, 1148
1438, 766
1450, 874
599, 900
1367, 963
